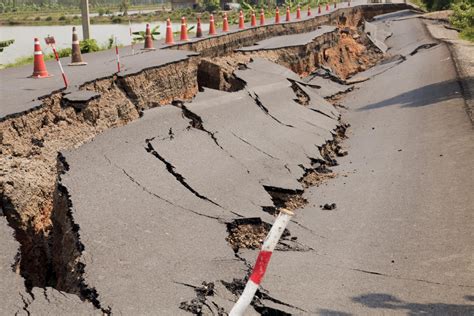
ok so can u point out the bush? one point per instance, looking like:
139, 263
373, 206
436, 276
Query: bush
89, 45
62, 18
65, 52
436, 5
463, 15
101, 11
38, 18
49, 18
211, 5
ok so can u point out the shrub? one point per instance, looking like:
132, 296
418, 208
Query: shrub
89, 45
211, 5
49, 18
38, 18
62, 18
463, 15
101, 11
65, 52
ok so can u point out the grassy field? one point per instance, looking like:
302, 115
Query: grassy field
69, 16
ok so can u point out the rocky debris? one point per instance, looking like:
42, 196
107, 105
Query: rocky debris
287, 199
198, 305
328, 207
315, 178
247, 233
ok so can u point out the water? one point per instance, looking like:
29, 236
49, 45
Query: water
24, 35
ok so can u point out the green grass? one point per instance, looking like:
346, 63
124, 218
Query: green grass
58, 17
467, 34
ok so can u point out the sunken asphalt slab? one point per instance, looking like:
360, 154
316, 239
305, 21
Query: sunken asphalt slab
152, 199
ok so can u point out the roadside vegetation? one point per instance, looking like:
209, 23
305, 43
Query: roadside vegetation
15, 12
87, 46
462, 16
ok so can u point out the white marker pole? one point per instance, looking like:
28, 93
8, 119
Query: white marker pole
263, 259
117, 55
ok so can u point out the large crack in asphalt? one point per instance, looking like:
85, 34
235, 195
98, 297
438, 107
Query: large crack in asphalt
68, 248
172, 170
197, 123
265, 110
145, 189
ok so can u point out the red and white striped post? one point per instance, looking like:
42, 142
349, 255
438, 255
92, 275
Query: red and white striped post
117, 55
51, 41
263, 259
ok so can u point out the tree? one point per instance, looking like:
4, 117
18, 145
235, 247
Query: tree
124, 5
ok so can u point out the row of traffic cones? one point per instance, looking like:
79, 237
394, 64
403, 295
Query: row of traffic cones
40, 71
169, 38
39, 66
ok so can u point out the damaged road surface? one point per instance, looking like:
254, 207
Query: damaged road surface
164, 214
152, 200
401, 238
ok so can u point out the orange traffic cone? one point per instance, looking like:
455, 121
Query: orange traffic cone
169, 33
198, 28
225, 24
148, 38
288, 17
212, 26
241, 20
184, 30
253, 19
262, 17
277, 15
76, 57
327, 6
298, 13
39, 67
309, 11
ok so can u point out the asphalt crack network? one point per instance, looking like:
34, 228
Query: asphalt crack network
146, 190
172, 170
197, 123
265, 110
253, 146
26, 304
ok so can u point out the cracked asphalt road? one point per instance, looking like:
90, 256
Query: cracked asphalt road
152, 199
